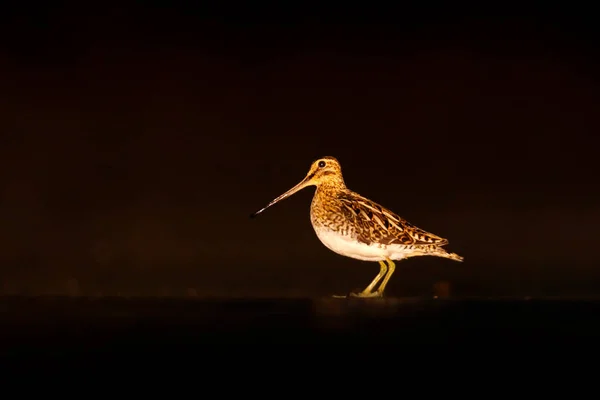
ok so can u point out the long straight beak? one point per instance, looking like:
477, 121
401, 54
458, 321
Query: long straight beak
305, 182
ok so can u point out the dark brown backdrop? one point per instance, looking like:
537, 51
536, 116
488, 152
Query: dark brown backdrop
135, 142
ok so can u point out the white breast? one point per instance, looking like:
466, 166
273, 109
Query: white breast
348, 247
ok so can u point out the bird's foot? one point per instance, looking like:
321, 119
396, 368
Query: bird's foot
367, 294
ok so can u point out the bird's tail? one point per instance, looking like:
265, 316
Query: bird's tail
455, 257
437, 251
452, 256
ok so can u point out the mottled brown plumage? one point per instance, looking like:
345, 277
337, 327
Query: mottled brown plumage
354, 226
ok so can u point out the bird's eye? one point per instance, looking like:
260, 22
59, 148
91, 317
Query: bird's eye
321, 164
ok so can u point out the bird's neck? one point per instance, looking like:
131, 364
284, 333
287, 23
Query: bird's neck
330, 188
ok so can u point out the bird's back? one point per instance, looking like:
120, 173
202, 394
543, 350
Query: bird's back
368, 221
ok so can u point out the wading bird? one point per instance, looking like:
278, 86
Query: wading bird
356, 227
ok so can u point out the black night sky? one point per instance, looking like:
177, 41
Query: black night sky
136, 140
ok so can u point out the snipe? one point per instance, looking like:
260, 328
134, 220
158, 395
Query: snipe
356, 227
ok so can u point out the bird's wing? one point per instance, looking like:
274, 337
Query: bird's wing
375, 223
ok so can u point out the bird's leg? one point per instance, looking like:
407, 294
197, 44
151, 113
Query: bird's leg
392, 268
382, 270
368, 292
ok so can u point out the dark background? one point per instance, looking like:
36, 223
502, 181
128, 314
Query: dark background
136, 140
